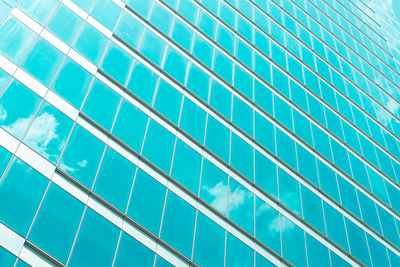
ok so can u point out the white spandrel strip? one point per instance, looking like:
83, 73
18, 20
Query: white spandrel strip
33, 259
10, 240
298, 222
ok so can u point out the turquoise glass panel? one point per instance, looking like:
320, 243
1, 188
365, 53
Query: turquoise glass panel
142, 82
114, 180
241, 206
39, 10
186, 166
72, 82
91, 43
65, 24
268, 228
82, 156
210, 242
54, 231
193, 120
117, 63
21, 191
101, 104
129, 29
43, 61
106, 12
168, 101
6, 258
15, 39
17, 107
158, 146
130, 125
48, 132
130, 250
178, 224
91, 248
147, 202
237, 253
214, 187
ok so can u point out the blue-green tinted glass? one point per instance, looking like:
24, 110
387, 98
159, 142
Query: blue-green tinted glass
317, 254
335, 226
266, 174
293, 237
161, 18
175, 64
72, 82
209, 244
289, 191
129, 29
168, 101
6, 258
193, 120
91, 43
178, 224
15, 39
241, 206
264, 132
203, 50
4, 77
262, 262
5, 9
238, 253
182, 34
152, 46
142, 7
214, 187
114, 180
132, 252
38, 9
101, 104
82, 156
217, 138
242, 116
48, 132
160, 262
130, 125
85, 5
92, 248
147, 202
54, 231
242, 156
17, 107
65, 24
21, 191
198, 82
268, 225
5, 157
142, 82
43, 61
158, 146
117, 63
358, 242
285, 147
186, 166
312, 209
107, 12
221, 99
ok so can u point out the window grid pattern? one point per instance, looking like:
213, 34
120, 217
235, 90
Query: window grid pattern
222, 114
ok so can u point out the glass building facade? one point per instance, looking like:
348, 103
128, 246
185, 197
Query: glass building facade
199, 133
